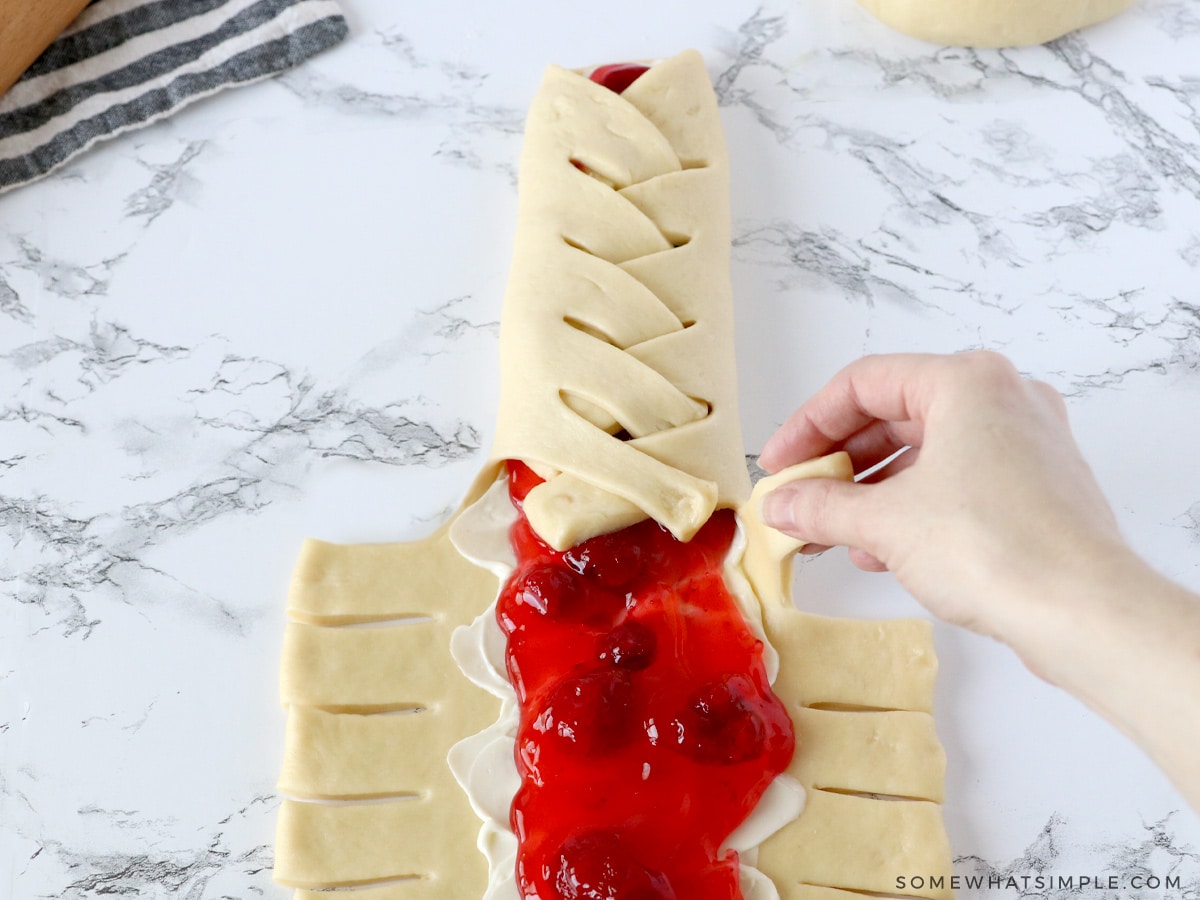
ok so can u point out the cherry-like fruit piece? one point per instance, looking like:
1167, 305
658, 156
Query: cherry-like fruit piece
592, 711
720, 724
631, 645
560, 594
596, 866
551, 591
611, 560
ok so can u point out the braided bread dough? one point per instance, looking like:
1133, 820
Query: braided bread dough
619, 310
618, 387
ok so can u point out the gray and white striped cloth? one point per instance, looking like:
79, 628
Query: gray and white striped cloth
125, 63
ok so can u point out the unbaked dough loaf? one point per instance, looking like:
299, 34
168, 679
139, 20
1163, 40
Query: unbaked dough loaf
992, 23
618, 386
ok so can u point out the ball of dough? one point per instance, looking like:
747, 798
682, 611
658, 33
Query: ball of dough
991, 23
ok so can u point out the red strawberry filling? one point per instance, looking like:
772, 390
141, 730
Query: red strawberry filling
648, 729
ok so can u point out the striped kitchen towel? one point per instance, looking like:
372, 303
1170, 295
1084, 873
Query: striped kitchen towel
125, 63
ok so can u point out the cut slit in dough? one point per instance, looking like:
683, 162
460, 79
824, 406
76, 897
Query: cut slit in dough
375, 708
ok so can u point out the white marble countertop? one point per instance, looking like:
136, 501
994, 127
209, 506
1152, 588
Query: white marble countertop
275, 315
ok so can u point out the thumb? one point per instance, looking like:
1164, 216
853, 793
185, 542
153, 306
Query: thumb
820, 511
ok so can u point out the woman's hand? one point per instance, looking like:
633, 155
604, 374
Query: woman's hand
991, 499
992, 519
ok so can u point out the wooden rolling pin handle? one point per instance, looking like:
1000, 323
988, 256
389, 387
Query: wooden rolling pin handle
27, 27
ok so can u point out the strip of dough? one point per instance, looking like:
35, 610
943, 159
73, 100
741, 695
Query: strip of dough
351, 756
853, 663
768, 560
339, 584
358, 843
857, 843
894, 753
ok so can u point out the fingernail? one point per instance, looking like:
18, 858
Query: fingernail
777, 510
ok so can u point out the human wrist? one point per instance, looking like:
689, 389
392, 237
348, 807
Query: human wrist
1065, 616
1125, 640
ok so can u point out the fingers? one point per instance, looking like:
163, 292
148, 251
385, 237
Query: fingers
878, 441
895, 466
898, 389
894, 388
860, 558
866, 561
822, 511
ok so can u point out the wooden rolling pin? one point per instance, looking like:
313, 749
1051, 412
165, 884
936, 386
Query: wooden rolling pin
27, 27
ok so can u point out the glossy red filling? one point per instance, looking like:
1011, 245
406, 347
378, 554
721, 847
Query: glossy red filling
648, 729
618, 76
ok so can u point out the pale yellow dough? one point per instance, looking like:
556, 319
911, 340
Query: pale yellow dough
619, 313
992, 23
768, 559
618, 318
399, 813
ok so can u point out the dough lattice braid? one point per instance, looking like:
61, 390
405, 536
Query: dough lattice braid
618, 387
618, 314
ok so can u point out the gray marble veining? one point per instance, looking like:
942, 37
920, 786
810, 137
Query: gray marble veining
275, 315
